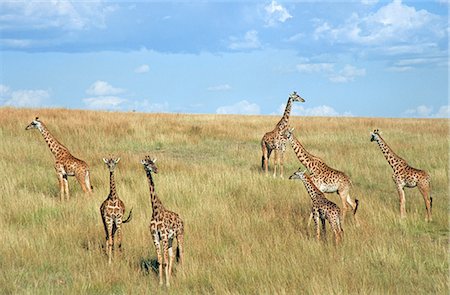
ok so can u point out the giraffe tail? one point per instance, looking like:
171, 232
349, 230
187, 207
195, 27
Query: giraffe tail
129, 216
88, 181
356, 207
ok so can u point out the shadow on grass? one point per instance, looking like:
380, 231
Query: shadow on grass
148, 265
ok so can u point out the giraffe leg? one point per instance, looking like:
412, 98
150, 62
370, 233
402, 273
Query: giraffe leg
336, 230
275, 162
66, 186
401, 195
180, 248
81, 178
324, 230
87, 181
316, 224
118, 235
61, 187
109, 238
348, 204
156, 240
171, 256
343, 194
265, 157
281, 161
165, 244
424, 189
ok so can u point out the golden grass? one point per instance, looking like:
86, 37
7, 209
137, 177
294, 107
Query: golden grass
245, 232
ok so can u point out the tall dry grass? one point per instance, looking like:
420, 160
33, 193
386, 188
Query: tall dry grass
245, 232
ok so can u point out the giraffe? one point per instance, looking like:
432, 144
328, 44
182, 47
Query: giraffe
112, 211
322, 208
325, 178
164, 226
275, 141
65, 164
405, 176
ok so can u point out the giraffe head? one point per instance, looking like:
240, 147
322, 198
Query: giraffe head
375, 135
35, 124
295, 97
111, 163
149, 164
288, 133
299, 174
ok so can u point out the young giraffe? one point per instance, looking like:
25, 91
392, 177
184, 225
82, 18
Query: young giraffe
65, 164
322, 208
112, 211
405, 176
276, 141
164, 226
325, 178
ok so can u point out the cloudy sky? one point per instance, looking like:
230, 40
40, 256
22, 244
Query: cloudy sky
356, 58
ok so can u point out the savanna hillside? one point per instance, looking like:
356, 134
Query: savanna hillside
245, 232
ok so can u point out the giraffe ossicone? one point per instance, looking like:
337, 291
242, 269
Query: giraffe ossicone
165, 225
65, 164
275, 140
322, 209
112, 212
405, 176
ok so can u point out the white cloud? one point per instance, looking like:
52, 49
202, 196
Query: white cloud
315, 67
347, 74
243, 107
102, 88
424, 111
319, 111
104, 102
250, 41
142, 69
149, 107
61, 14
443, 112
275, 13
392, 23
22, 97
369, 2
221, 87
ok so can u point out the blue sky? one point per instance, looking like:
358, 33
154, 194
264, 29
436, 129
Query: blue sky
357, 58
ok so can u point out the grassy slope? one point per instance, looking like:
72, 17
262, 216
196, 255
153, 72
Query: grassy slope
245, 232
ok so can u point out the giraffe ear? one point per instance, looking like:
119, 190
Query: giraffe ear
104, 160
143, 162
154, 160
117, 160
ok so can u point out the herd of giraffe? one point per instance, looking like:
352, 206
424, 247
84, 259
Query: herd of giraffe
324, 179
165, 225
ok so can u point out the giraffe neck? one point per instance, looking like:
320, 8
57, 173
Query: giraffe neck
313, 191
157, 206
55, 146
302, 154
284, 122
393, 160
112, 186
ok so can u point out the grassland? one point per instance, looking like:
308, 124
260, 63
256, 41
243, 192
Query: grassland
245, 233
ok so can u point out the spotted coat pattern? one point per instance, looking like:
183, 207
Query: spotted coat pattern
325, 178
405, 176
276, 141
165, 225
322, 209
112, 212
65, 164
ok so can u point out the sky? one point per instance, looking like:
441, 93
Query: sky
363, 58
